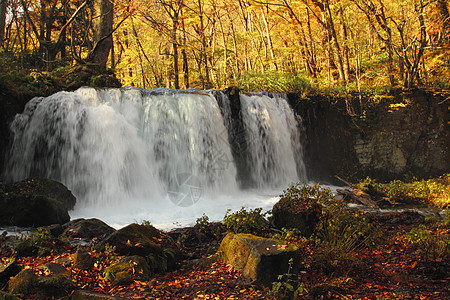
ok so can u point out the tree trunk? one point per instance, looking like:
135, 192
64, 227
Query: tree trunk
103, 27
444, 16
3, 6
176, 71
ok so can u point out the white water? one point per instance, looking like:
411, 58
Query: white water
159, 155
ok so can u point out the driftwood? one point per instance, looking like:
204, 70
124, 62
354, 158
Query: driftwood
356, 194
359, 196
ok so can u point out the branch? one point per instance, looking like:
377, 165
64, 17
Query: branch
63, 29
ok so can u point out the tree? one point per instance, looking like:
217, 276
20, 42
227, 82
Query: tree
103, 17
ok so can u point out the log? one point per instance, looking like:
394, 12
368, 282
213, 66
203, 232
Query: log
359, 196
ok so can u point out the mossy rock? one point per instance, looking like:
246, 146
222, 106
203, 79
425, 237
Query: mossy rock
260, 259
8, 296
29, 284
305, 220
145, 241
23, 283
44, 187
128, 269
133, 239
35, 202
25, 210
88, 229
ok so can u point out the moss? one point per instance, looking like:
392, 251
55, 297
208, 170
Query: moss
23, 283
127, 269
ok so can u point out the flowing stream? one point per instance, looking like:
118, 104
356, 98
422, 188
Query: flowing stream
159, 155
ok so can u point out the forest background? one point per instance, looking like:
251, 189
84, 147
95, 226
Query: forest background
258, 45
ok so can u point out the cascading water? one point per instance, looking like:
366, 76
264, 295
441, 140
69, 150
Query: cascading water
154, 152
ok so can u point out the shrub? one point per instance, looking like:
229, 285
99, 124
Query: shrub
432, 246
434, 191
301, 207
243, 221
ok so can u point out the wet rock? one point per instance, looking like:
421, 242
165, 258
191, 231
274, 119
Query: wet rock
8, 270
28, 283
87, 229
44, 187
303, 220
23, 283
259, 259
55, 270
25, 210
83, 260
128, 269
35, 202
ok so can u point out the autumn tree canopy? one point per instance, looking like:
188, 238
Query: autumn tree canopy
215, 44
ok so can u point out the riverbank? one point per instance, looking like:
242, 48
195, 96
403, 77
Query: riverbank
364, 253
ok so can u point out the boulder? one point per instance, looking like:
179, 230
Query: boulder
87, 229
145, 241
133, 239
83, 260
29, 284
55, 269
259, 259
44, 187
305, 220
35, 202
127, 269
23, 283
8, 270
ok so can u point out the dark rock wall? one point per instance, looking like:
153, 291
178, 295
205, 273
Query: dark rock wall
385, 137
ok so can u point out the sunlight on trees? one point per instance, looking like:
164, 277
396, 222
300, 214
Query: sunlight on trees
215, 44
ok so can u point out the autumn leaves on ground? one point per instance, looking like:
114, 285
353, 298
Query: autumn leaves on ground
348, 254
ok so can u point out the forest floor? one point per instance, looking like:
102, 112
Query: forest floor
392, 269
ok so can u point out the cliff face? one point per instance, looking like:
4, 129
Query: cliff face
387, 137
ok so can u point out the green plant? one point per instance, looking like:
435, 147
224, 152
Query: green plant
244, 221
146, 223
434, 191
160, 263
433, 246
287, 285
202, 221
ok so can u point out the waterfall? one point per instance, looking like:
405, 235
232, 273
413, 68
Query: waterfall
113, 146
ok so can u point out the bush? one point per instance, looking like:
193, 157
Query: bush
434, 191
300, 207
432, 246
243, 221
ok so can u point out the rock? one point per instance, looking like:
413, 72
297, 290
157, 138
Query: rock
259, 259
143, 240
83, 260
29, 284
8, 296
8, 270
44, 187
87, 229
303, 220
133, 239
128, 269
23, 283
55, 230
55, 270
31, 211
86, 295
54, 287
